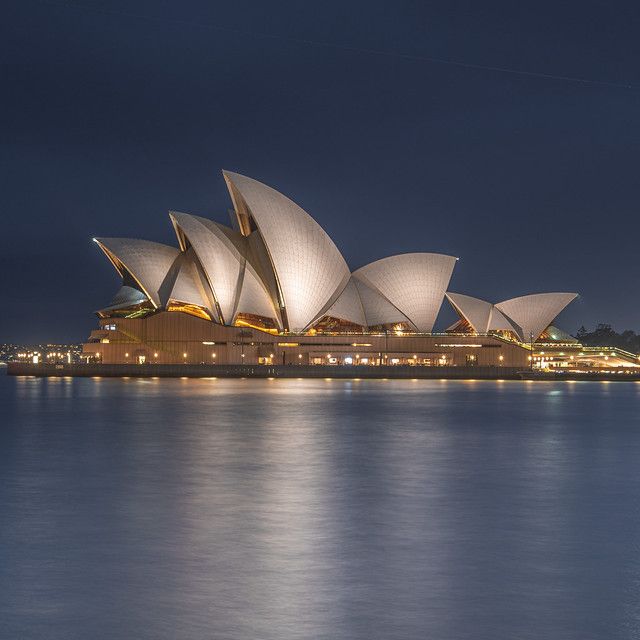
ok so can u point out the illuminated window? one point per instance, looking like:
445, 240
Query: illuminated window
190, 309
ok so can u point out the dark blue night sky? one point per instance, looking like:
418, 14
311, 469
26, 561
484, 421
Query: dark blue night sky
113, 113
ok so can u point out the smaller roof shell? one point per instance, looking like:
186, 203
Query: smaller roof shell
187, 285
475, 311
480, 314
532, 314
147, 262
348, 306
414, 283
220, 259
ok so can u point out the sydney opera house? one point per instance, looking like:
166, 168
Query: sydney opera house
273, 288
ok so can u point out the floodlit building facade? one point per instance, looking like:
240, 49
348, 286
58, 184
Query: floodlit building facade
273, 288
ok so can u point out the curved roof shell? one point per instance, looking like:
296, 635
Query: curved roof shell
348, 306
377, 309
220, 259
480, 314
533, 313
187, 285
414, 283
309, 269
222, 252
126, 297
475, 311
253, 298
499, 322
147, 262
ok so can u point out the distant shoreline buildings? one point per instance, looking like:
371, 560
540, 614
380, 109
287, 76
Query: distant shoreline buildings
273, 288
41, 353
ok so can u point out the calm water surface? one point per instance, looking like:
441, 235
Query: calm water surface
191, 509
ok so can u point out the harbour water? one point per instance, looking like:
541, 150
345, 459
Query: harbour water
337, 509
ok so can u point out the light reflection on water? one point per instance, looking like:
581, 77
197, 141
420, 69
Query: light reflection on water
198, 508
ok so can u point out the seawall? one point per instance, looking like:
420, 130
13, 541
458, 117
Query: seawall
260, 371
398, 372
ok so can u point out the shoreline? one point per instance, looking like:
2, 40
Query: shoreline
397, 372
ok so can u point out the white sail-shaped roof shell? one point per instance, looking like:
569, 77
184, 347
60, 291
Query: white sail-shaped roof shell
348, 306
147, 262
532, 314
414, 283
222, 252
309, 269
254, 298
253, 293
475, 311
220, 259
188, 286
480, 314
498, 322
126, 297
377, 309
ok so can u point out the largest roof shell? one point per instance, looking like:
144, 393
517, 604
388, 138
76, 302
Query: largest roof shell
309, 269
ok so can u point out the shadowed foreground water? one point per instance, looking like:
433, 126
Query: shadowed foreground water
286, 509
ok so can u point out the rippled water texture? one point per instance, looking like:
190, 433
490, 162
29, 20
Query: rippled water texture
191, 509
